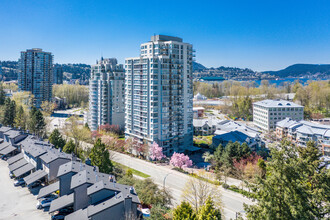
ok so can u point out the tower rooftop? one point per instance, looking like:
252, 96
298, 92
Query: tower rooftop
165, 38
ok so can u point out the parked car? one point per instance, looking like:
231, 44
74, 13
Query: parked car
11, 175
4, 157
35, 184
59, 216
19, 182
44, 203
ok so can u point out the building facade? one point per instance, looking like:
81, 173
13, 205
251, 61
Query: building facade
106, 94
159, 93
36, 74
267, 112
57, 74
300, 132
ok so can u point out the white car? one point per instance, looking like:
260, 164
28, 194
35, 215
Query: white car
44, 203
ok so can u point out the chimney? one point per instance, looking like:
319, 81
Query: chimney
128, 206
88, 161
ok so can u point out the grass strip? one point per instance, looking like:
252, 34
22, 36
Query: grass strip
134, 171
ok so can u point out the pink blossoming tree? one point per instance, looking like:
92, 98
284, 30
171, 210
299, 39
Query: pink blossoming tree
180, 160
156, 152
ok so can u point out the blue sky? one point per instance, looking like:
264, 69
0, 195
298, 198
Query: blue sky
262, 35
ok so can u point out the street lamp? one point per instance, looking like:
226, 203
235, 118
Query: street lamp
165, 179
164, 187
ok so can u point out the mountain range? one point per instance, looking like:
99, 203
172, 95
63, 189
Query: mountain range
296, 70
9, 71
302, 70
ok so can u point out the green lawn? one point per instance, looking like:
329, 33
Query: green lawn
135, 172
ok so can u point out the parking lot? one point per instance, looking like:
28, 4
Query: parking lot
17, 202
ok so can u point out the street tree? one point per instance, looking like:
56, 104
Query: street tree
100, 157
180, 160
196, 191
156, 152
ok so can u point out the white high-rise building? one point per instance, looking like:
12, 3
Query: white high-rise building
106, 94
159, 93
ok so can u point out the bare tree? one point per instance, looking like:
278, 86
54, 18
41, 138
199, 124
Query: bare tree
196, 191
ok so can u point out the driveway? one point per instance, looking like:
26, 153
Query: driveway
17, 203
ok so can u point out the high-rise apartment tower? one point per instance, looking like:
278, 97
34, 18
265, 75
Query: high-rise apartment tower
36, 74
159, 92
106, 94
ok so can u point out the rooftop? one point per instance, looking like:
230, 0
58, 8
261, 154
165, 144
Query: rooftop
165, 38
73, 166
87, 176
53, 154
276, 103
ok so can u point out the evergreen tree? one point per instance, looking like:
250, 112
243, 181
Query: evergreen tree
40, 123
295, 186
32, 122
56, 139
10, 112
20, 119
184, 211
69, 147
37, 122
208, 211
100, 157
2, 96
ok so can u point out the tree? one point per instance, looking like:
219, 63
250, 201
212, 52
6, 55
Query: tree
180, 160
209, 211
10, 112
100, 157
159, 212
150, 194
296, 186
78, 132
156, 152
184, 211
47, 107
56, 139
2, 95
196, 191
69, 147
20, 119
36, 123
39, 123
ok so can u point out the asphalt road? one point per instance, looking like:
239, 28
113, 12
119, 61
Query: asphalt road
17, 203
175, 182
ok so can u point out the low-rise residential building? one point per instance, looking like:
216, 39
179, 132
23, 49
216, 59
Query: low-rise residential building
91, 194
198, 112
268, 112
300, 132
204, 127
231, 131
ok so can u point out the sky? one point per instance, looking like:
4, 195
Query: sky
261, 35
